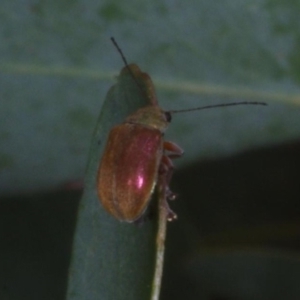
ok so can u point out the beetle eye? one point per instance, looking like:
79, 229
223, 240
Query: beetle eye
168, 116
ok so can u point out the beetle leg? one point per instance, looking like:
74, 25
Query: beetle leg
165, 175
167, 164
167, 169
164, 178
175, 150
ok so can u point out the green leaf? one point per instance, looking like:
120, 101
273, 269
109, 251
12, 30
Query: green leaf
111, 259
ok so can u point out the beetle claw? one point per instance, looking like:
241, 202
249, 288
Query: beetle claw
170, 195
171, 215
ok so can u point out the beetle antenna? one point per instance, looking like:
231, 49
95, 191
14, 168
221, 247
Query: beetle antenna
120, 51
125, 61
216, 105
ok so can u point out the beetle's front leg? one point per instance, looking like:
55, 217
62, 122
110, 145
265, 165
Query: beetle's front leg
175, 150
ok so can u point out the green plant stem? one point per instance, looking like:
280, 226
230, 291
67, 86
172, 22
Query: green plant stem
160, 245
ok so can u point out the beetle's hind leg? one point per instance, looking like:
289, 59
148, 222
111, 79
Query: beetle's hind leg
171, 151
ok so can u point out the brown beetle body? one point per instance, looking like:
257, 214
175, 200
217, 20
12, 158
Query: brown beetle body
130, 164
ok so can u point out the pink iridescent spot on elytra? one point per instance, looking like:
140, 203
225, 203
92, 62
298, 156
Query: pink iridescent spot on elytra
140, 181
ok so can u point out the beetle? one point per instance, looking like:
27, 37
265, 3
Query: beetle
137, 158
135, 154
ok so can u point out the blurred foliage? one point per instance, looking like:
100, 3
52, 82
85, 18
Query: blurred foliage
56, 65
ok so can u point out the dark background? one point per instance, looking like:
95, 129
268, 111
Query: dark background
236, 237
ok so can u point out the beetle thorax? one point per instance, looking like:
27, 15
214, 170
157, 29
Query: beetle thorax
150, 116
